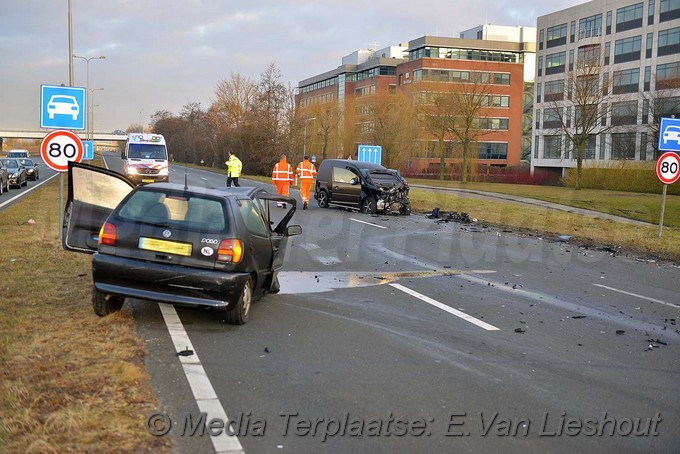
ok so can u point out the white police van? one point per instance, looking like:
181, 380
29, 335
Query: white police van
146, 158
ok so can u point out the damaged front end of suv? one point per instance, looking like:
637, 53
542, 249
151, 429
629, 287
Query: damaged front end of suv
385, 192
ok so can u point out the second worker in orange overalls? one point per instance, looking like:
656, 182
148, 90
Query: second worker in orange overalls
306, 171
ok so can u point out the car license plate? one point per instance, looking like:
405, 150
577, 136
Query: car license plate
169, 247
147, 180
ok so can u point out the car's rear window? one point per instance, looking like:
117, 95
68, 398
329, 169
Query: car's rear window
186, 211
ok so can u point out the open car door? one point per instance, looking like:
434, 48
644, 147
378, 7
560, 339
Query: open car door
93, 193
278, 219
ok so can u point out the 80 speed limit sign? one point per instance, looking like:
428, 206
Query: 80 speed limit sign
59, 147
668, 168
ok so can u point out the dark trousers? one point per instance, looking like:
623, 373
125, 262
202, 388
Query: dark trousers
234, 180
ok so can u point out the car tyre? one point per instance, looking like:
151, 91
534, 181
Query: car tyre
322, 198
105, 304
368, 205
25, 183
240, 313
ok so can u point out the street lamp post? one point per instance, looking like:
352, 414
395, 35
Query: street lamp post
92, 106
304, 142
87, 80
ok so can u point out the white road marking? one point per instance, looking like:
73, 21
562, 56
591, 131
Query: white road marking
444, 307
200, 385
654, 300
368, 223
21, 194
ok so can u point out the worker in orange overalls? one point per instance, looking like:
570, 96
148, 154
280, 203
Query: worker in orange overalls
282, 178
306, 171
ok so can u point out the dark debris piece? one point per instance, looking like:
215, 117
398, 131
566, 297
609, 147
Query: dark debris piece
185, 352
579, 316
620, 332
520, 330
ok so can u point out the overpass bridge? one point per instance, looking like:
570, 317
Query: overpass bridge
40, 133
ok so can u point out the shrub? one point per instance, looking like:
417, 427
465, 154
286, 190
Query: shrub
621, 175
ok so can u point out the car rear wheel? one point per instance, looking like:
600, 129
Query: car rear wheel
322, 199
240, 313
105, 304
368, 205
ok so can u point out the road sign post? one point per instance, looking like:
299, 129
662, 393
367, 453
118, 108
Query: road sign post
668, 172
56, 150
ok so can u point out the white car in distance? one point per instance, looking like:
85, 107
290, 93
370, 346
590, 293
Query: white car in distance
63, 105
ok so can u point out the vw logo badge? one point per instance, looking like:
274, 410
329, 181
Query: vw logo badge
167, 233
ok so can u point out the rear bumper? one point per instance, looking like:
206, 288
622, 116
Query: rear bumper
166, 283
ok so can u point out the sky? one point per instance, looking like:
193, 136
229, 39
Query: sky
164, 54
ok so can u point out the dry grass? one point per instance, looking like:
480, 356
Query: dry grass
584, 229
70, 381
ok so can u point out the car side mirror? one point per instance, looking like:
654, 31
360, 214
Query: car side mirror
293, 230
354, 180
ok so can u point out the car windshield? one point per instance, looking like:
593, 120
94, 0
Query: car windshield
181, 210
63, 99
10, 163
27, 162
147, 151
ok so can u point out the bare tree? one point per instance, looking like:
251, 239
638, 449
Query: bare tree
583, 112
662, 102
392, 126
454, 113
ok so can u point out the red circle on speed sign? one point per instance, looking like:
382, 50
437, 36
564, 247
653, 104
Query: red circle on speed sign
668, 168
59, 147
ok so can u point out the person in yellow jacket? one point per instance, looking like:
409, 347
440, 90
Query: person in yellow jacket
282, 177
234, 167
306, 171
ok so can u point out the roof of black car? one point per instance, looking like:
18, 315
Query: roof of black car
358, 164
242, 191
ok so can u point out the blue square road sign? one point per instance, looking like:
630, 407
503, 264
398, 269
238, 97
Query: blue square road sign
62, 107
669, 134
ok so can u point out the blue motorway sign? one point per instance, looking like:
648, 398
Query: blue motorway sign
669, 134
89, 150
370, 153
62, 107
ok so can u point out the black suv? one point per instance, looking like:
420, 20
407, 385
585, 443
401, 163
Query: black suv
195, 246
369, 187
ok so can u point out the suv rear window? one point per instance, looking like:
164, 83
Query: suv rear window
190, 212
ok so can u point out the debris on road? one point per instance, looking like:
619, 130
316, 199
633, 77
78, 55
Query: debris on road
185, 352
563, 238
520, 330
579, 316
620, 332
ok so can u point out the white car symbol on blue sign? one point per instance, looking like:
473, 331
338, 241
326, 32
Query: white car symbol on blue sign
62, 107
669, 134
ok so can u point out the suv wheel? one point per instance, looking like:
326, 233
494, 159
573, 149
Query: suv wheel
239, 314
368, 205
322, 198
106, 304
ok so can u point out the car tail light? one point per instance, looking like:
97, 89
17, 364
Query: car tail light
230, 251
107, 234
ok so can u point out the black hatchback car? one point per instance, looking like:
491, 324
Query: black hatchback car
367, 186
16, 171
220, 248
32, 170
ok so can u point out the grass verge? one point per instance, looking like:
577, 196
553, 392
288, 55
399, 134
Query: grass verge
585, 230
633, 205
70, 381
